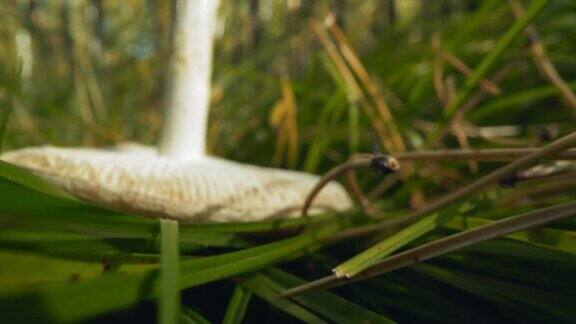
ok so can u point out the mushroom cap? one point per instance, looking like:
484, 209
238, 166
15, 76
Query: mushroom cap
136, 179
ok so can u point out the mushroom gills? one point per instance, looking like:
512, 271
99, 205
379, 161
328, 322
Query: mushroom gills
136, 179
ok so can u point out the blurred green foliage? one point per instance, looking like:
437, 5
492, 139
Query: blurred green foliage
93, 73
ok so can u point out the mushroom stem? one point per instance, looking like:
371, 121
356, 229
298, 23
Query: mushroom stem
184, 136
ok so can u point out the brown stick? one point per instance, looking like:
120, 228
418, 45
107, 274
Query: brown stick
485, 84
358, 194
445, 245
554, 149
329, 176
486, 155
542, 61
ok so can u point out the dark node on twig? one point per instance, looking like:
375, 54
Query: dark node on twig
510, 181
537, 172
384, 164
531, 38
546, 134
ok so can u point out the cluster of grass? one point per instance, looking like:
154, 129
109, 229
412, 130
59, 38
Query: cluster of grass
293, 90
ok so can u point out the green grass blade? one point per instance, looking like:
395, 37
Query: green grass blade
542, 274
237, 306
76, 246
488, 62
169, 300
329, 305
81, 300
523, 250
4, 118
383, 249
24, 177
509, 293
260, 287
503, 104
331, 113
564, 241
24, 271
25, 207
353, 127
190, 316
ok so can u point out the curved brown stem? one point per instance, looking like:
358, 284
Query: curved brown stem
358, 194
329, 176
379, 163
559, 149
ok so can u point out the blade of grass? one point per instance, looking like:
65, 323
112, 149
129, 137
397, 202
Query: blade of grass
79, 247
384, 248
237, 306
542, 61
86, 298
523, 250
467, 238
373, 254
541, 275
30, 201
402, 238
353, 127
24, 272
26, 178
486, 65
488, 10
513, 295
331, 306
350, 55
169, 299
330, 115
190, 316
4, 118
514, 99
24, 210
260, 287
564, 241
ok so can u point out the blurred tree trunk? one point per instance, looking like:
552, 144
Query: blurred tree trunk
164, 43
446, 8
40, 48
384, 15
99, 25
254, 24
101, 45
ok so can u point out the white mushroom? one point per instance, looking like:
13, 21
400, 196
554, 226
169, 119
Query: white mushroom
178, 180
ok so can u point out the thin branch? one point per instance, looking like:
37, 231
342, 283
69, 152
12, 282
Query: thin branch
380, 163
486, 64
477, 97
551, 150
358, 194
485, 84
383, 186
329, 176
445, 245
538, 172
371, 100
542, 61
355, 93
555, 185
380, 105
486, 155
438, 71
